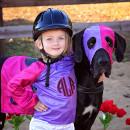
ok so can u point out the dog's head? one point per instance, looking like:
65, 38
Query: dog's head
98, 43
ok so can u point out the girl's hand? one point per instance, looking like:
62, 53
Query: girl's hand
101, 78
40, 107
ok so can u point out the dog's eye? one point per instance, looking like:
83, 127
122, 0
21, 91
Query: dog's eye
109, 41
91, 42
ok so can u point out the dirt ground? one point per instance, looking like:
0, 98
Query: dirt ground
117, 87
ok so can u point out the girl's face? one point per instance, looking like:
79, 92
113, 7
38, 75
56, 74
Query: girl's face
54, 42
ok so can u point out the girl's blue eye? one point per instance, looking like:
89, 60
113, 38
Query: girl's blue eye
61, 38
49, 39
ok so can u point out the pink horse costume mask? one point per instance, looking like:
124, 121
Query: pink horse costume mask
99, 37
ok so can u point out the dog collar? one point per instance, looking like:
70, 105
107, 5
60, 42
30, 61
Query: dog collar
85, 90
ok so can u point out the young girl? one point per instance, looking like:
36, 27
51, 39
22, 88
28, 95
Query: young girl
56, 86
51, 77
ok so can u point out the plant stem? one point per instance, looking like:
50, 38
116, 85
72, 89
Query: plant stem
104, 128
16, 127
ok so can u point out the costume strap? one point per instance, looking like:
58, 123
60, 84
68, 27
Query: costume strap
49, 62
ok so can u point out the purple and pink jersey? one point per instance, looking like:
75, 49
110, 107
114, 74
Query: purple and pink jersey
18, 79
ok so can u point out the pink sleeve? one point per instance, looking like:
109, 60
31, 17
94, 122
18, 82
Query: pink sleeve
20, 86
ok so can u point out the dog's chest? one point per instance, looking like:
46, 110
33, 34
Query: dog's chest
88, 109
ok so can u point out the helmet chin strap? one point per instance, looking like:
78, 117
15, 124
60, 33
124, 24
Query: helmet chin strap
50, 60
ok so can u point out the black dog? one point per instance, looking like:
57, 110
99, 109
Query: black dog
93, 56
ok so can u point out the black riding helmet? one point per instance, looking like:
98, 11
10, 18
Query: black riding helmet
51, 19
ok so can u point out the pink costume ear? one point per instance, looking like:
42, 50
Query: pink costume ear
120, 46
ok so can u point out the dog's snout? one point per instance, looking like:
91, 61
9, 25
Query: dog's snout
103, 61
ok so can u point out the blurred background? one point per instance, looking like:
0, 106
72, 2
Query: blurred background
79, 13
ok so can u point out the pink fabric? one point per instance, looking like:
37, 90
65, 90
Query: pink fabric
13, 84
106, 31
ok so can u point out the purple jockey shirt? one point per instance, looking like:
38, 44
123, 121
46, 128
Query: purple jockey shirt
60, 97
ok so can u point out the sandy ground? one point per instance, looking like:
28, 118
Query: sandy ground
116, 88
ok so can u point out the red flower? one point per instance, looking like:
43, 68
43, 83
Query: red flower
10, 114
8, 117
108, 106
112, 109
127, 121
121, 112
17, 114
105, 104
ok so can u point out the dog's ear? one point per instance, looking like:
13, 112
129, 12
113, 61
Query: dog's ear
77, 43
120, 46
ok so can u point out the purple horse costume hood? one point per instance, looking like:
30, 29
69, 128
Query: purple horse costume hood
100, 39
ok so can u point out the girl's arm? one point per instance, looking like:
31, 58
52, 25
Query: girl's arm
20, 86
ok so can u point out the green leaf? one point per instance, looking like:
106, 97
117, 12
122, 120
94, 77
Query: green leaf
11, 121
106, 125
110, 117
29, 117
20, 120
101, 119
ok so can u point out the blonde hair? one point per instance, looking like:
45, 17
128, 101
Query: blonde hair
68, 44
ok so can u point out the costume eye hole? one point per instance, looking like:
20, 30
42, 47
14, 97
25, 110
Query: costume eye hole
109, 41
91, 42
